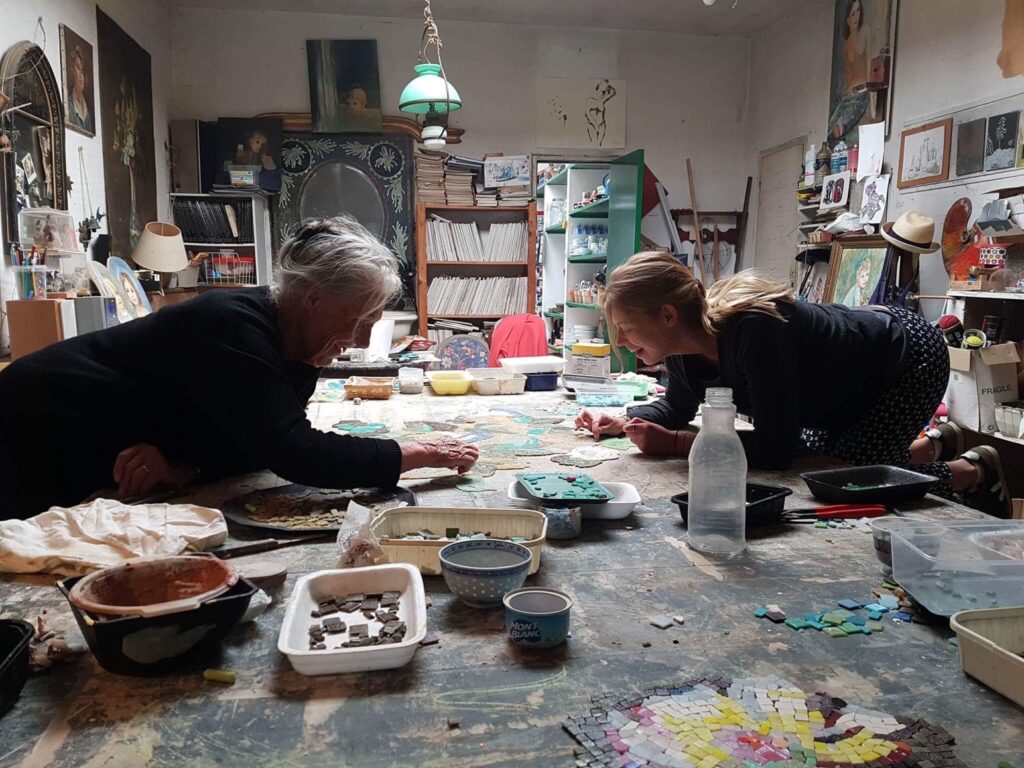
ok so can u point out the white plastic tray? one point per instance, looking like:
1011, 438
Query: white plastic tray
626, 497
545, 364
512, 384
293, 641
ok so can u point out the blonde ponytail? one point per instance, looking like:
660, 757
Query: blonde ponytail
651, 279
745, 291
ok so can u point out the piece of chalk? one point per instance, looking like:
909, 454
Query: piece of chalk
219, 675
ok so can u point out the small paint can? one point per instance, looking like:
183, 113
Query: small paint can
992, 327
537, 617
563, 522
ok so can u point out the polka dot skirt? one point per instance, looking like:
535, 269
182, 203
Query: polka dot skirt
884, 433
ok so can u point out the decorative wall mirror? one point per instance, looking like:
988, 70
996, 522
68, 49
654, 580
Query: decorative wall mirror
32, 158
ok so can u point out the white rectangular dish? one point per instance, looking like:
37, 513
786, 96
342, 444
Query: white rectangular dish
626, 497
544, 364
293, 641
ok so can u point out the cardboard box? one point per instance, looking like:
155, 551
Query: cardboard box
588, 365
978, 380
37, 323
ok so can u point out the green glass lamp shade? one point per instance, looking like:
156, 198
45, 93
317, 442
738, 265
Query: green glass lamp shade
427, 93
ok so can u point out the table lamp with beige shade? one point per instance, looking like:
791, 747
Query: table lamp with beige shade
161, 249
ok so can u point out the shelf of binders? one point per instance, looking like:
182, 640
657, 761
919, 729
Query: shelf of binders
446, 316
521, 264
595, 210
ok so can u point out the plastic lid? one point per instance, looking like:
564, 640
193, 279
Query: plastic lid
718, 396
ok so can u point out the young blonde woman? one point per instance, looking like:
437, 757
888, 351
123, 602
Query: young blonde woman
856, 384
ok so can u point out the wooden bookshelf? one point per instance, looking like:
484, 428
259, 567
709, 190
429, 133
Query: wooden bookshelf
484, 216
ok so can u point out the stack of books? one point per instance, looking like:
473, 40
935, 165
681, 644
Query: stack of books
514, 197
486, 197
459, 187
477, 296
430, 182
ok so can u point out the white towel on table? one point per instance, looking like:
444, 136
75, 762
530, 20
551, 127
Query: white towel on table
105, 533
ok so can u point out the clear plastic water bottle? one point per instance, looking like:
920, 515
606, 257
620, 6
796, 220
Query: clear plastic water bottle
717, 516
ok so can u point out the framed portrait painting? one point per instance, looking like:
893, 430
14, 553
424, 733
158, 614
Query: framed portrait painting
855, 269
344, 86
78, 80
863, 45
924, 154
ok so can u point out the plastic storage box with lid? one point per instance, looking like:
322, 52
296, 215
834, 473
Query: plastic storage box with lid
956, 566
543, 364
48, 230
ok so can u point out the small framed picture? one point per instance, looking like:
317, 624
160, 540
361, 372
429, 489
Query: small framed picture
76, 69
835, 191
924, 154
855, 268
30, 168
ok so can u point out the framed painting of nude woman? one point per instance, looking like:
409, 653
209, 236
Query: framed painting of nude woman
863, 47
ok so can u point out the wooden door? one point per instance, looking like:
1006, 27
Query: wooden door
776, 235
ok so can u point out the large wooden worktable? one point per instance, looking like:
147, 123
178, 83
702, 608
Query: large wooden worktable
508, 703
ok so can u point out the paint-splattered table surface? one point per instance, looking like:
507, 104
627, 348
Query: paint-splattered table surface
509, 704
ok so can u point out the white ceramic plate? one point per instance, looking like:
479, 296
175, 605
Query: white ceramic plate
625, 498
293, 641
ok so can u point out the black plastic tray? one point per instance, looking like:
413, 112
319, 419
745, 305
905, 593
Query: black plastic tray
881, 484
187, 635
765, 503
234, 509
15, 636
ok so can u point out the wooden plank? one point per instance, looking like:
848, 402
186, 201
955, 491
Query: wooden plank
421, 267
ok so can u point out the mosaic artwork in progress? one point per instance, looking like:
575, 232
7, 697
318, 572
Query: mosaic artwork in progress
709, 722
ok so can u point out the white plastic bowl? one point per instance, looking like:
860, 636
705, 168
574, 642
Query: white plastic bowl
625, 498
293, 640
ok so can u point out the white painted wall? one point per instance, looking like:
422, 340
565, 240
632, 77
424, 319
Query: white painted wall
686, 94
148, 22
945, 57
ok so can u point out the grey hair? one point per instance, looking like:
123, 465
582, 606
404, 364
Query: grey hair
338, 255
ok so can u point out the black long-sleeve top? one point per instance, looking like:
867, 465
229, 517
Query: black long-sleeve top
205, 381
821, 367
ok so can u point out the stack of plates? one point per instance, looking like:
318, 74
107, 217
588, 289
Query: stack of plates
583, 332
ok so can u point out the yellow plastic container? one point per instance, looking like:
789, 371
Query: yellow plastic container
592, 349
450, 382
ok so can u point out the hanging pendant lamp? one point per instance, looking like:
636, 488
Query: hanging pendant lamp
429, 93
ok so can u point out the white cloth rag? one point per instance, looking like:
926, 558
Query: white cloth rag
105, 533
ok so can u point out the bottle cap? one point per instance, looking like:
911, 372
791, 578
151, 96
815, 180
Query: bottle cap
718, 396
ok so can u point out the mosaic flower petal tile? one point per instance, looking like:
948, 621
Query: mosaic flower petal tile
749, 723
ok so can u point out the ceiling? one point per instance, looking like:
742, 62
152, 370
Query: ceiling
680, 16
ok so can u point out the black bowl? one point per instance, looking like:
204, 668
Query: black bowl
765, 503
15, 636
137, 645
875, 484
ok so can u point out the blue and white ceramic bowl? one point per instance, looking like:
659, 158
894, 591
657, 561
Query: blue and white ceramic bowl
480, 571
537, 617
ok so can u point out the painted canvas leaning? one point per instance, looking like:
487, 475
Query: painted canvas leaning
854, 275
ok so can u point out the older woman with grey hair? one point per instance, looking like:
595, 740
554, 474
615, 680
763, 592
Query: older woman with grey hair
212, 387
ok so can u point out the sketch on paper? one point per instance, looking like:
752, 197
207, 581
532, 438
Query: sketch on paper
924, 154
507, 171
1001, 141
872, 205
581, 113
